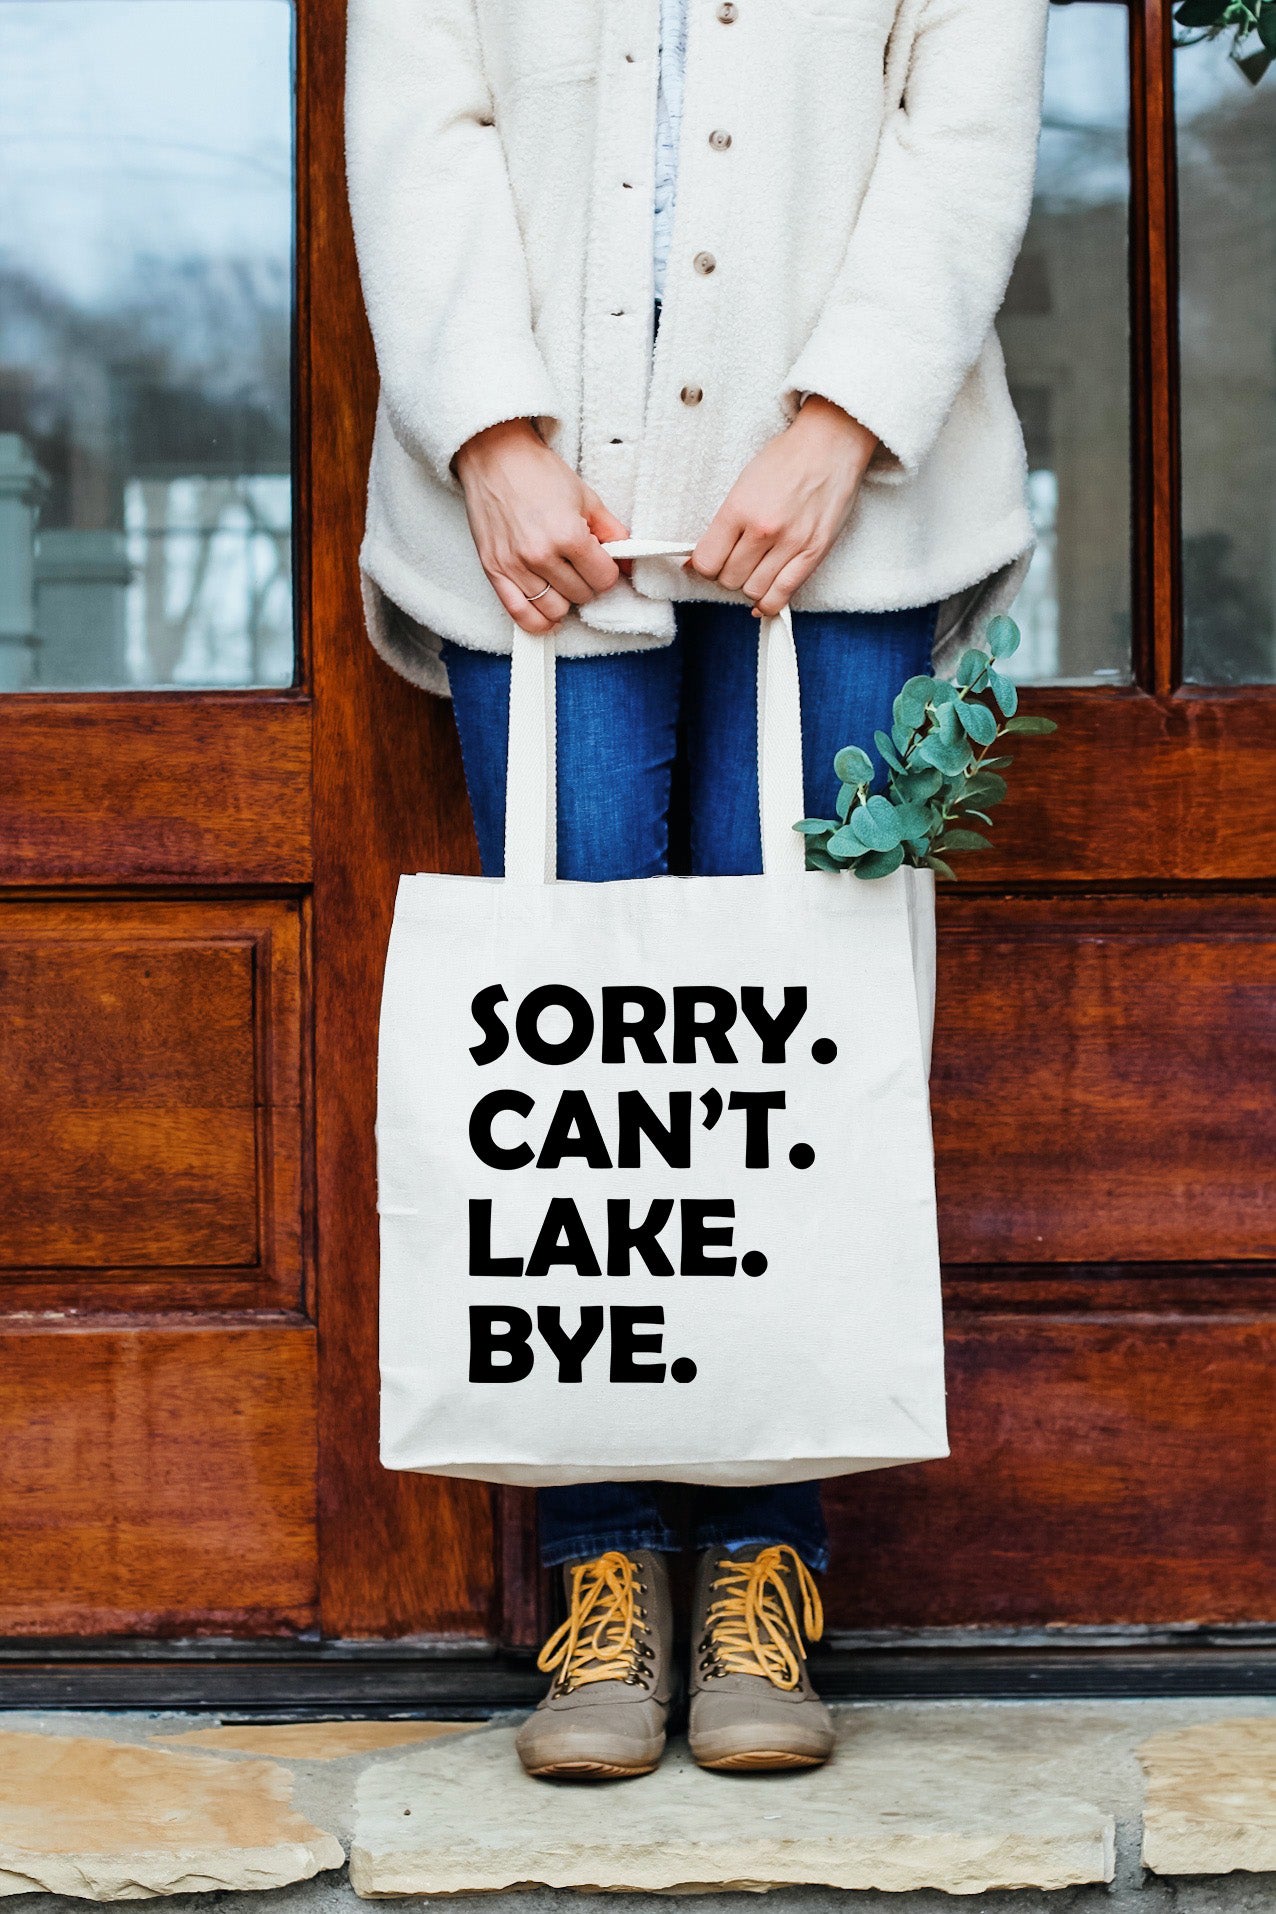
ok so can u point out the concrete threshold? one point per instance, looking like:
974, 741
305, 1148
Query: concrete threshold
998, 1805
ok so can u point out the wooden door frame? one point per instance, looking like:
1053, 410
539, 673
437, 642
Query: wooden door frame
400, 1555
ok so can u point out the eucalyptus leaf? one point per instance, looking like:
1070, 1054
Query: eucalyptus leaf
938, 865
1003, 636
916, 786
972, 667
853, 766
986, 787
845, 843
1003, 690
815, 826
887, 751
912, 700
977, 720
880, 863
962, 841
875, 825
818, 860
941, 692
846, 796
948, 758
1029, 725
912, 820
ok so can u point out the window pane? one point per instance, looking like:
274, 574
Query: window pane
1065, 330
1227, 325
145, 341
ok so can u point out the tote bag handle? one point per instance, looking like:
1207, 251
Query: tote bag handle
531, 811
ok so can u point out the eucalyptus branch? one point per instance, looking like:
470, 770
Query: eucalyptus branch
940, 774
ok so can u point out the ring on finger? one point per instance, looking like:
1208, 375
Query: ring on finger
534, 595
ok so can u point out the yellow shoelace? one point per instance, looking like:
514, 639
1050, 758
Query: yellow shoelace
601, 1639
752, 1628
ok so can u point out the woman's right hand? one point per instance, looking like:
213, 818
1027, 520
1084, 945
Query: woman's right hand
535, 523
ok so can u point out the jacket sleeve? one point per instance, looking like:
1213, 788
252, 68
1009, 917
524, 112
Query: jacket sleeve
937, 233
440, 254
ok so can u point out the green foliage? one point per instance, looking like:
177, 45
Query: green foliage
1251, 24
940, 776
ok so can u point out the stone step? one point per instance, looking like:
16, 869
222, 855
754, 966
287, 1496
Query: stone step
1041, 1804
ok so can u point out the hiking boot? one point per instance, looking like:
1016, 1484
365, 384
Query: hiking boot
612, 1663
752, 1703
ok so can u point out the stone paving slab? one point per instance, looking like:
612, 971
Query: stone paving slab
110, 1822
1078, 1751
313, 1740
1210, 1804
913, 1798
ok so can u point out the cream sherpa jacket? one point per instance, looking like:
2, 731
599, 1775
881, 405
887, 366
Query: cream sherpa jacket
853, 238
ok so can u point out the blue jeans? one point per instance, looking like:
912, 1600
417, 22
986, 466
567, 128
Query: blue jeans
619, 719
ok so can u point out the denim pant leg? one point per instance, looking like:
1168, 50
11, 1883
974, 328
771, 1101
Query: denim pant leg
850, 665
789, 1512
584, 1519
617, 729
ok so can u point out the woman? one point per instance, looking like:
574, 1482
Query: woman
810, 208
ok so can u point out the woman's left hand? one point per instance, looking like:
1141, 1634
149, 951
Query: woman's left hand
787, 507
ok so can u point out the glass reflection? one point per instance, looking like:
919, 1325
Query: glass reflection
1065, 330
1227, 329
145, 341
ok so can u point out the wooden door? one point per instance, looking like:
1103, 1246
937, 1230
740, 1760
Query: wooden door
197, 885
208, 789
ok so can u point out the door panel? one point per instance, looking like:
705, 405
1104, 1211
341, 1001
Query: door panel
158, 1478
150, 1141
1139, 789
1103, 1470
146, 789
1102, 1080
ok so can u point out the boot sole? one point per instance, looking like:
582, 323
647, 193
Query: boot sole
761, 1760
589, 1770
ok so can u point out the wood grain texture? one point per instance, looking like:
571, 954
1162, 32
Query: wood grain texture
523, 1615
150, 1122
401, 1554
164, 787
1102, 1471
1138, 790
1103, 1078
157, 1480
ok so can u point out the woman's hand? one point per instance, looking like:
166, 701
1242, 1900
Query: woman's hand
535, 523
787, 507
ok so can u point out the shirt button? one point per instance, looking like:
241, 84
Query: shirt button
719, 141
704, 262
691, 395
727, 12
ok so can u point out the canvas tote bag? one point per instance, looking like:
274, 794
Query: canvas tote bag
656, 1183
